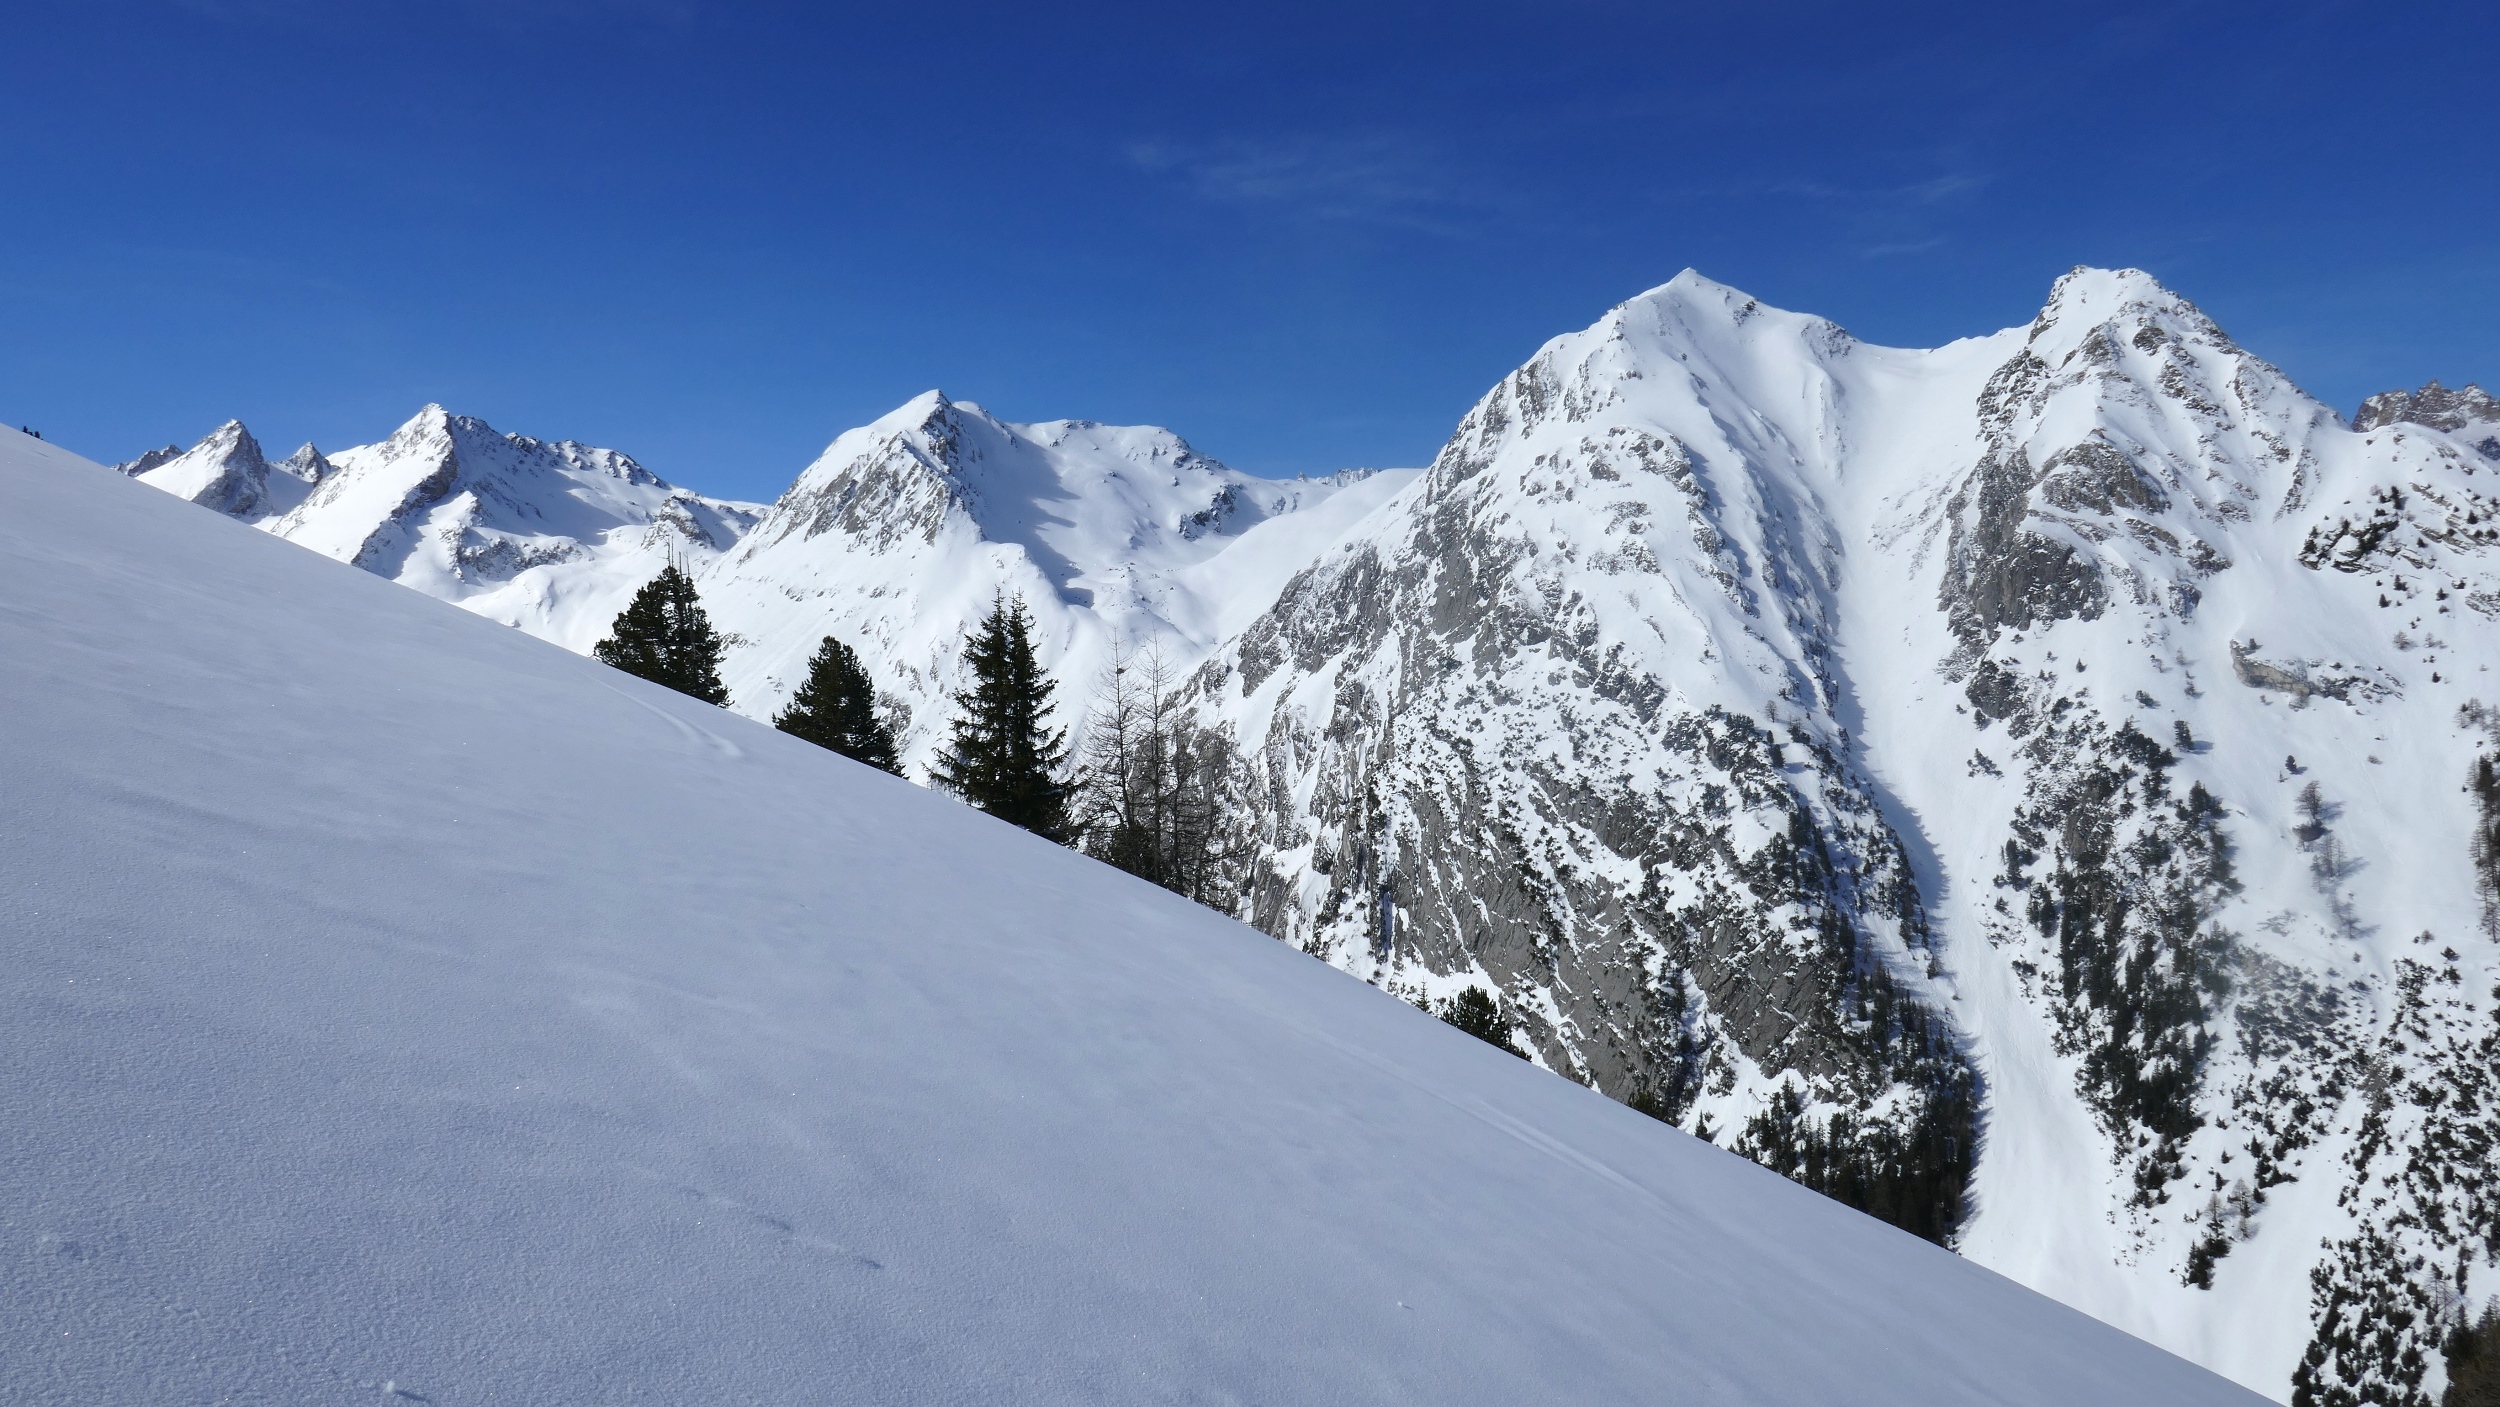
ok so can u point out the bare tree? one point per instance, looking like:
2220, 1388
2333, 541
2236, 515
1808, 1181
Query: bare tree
1152, 798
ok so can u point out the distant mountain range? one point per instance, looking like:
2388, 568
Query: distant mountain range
2032, 789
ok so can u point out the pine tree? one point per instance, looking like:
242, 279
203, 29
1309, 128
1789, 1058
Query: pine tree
664, 636
836, 708
1477, 1013
2474, 1363
1004, 757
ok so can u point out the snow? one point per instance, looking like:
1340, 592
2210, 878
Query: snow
1118, 538
554, 538
398, 1006
2045, 1193
1798, 579
1791, 572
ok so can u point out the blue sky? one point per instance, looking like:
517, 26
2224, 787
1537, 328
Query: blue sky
714, 235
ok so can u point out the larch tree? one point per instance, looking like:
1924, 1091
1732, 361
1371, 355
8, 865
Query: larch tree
1151, 798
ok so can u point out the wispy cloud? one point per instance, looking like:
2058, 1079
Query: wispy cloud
1890, 220
1900, 247
1377, 179
1934, 190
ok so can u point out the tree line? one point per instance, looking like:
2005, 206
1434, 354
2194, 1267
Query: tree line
1145, 795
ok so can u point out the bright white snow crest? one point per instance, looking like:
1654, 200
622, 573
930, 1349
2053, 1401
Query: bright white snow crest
554, 538
903, 530
906, 529
2087, 682
491, 1026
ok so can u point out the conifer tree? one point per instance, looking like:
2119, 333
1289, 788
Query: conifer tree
1476, 1012
2474, 1362
836, 708
1004, 757
664, 636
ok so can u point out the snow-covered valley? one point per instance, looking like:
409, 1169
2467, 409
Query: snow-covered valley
2021, 787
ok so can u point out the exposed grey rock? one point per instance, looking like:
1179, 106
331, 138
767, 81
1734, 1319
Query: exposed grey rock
1468, 771
150, 460
306, 464
2434, 405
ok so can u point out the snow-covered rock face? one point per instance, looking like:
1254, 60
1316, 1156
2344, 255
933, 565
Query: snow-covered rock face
2220, 662
2471, 411
1570, 720
904, 530
2082, 708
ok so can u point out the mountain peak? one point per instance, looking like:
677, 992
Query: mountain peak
230, 437
1693, 309
151, 459
1695, 291
930, 405
307, 464
2434, 406
2085, 298
224, 471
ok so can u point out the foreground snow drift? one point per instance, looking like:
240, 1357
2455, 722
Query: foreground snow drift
398, 1005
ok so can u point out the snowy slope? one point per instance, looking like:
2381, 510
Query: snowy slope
905, 529
1753, 706
399, 1007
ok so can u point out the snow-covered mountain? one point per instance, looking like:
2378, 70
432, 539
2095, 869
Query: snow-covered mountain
551, 537
1119, 537
905, 529
226, 472
489, 1026
2020, 787
1808, 736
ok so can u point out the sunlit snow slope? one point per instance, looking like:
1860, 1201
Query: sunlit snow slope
396, 1006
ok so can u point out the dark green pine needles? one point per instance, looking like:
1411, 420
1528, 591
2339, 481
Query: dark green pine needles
1477, 1013
665, 637
836, 708
1004, 757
